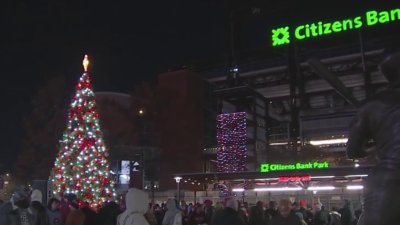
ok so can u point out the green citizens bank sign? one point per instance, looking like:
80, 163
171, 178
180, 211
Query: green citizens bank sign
283, 35
266, 167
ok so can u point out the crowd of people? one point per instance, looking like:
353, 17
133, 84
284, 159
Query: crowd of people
284, 212
26, 208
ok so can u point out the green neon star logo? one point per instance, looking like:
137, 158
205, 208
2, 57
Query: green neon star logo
280, 36
264, 168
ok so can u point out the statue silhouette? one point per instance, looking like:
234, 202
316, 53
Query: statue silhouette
378, 122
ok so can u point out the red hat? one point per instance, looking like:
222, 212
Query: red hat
303, 203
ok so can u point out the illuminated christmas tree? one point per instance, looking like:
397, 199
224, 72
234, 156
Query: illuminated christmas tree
81, 166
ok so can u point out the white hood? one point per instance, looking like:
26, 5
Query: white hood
172, 210
137, 202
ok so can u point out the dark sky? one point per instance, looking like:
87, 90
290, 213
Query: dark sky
129, 41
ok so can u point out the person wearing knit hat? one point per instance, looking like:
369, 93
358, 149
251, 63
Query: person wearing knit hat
15, 212
22, 193
36, 196
38, 209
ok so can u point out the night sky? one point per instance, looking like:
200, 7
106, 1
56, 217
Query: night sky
129, 42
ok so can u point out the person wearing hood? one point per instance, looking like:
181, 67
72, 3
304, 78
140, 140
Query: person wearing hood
15, 212
173, 215
38, 209
136, 206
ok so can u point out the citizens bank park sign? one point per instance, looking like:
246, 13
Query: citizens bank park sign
267, 167
284, 35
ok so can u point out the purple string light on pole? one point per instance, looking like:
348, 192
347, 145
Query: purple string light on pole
231, 137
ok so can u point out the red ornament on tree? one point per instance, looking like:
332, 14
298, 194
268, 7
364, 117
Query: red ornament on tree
106, 181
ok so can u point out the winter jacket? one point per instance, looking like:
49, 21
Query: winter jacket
292, 219
38, 209
75, 217
171, 213
108, 214
197, 218
347, 215
227, 216
39, 212
271, 213
12, 215
257, 216
321, 218
136, 206
55, 217
334, 218
91, 217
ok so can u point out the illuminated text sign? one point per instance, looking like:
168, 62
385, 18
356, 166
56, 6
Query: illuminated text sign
266, 167
294, 178
283, 35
